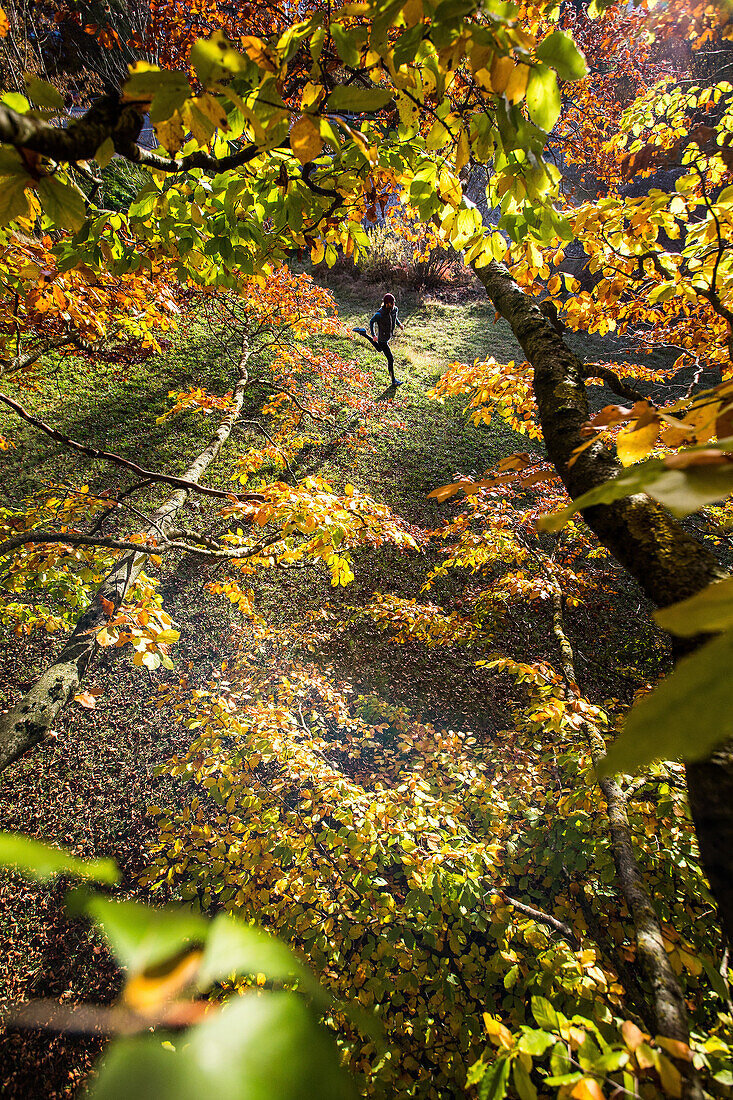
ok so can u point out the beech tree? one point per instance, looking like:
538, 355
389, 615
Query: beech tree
279, 137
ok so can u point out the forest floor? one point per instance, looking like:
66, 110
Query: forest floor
89, 784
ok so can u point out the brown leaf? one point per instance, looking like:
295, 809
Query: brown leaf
609, 414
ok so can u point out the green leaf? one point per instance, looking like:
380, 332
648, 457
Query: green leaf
543, 97
408, 43
559, 50
495, 1081
359, 99
348, 43
685, 491
233, 947
16, 102
63, 203
41, 861
544, 1014
43, 94
13, 199
139, 935
685, 717
535, 1042
523, 1082
215, 58
266, 1047
707, 612
11, 163
476, 1073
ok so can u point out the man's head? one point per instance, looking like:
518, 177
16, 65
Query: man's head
388, 301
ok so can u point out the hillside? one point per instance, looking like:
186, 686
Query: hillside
89, 785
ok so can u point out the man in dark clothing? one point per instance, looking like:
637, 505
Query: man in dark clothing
382, 326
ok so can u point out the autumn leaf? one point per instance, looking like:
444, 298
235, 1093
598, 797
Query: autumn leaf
305, 139
634, 444
88, 699
587, 1089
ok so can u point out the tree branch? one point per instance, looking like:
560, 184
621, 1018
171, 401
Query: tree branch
28, 721
612, 380
118, 460
40, 536
668, 1002
543, 918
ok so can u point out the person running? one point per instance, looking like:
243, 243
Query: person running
382, 326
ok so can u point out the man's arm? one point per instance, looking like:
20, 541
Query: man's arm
374, 321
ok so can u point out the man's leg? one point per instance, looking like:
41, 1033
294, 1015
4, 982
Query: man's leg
390, 359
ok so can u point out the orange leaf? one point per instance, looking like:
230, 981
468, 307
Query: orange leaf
446, 491
86, 700
609, 414
633, 1036
708, 457
587, 1089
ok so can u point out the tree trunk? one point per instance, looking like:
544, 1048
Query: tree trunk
29, 721
668, 563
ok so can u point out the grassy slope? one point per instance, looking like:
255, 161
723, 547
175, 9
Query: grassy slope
88, 785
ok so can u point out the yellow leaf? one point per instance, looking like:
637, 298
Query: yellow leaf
498, 1033
305, 139
146, 992
675, 1047
170, 135
213, 110
255, 50
669, 1075
463, 150
632, 446
517, 84
501, 71
691, 963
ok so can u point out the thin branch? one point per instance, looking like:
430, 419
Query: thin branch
118, 460
543, 918
40, 536
612, 380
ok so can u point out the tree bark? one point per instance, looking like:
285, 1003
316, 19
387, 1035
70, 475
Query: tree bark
668, 563
29, 721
